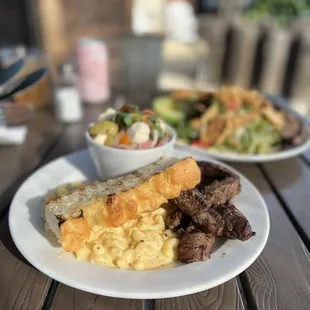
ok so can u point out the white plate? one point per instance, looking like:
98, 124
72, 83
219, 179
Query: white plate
247, 158
229, 258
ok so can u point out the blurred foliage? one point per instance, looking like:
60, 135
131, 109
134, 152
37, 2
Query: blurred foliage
282, 11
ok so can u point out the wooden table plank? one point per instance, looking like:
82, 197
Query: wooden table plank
68, 298
69, 141
72, 137
291, 180
280, 277
222, 297
21, 285
18, 161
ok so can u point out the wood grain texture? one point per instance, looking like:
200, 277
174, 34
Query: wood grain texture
222, 297
84, 14
214, 30
21, 285
72, 138
243, 48
72, 299
52, 19
291, 179
300, 88
280, 277
275, 54
229, 8
20, 160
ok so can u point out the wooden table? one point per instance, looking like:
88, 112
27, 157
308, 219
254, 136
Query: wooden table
278, 279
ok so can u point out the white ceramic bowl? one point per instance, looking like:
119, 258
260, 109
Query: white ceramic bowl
112, 162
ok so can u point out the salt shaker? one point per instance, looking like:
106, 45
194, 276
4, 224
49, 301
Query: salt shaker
69, 108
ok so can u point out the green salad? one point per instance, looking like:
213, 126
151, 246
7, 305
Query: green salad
231, 120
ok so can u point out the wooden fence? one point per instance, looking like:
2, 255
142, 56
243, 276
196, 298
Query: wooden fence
259, 55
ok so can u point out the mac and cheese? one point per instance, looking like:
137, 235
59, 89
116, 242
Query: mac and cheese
138, 244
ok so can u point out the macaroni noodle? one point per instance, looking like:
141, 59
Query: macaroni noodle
137, 244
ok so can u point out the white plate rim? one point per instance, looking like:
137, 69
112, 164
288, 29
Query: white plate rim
258, 158
136, 295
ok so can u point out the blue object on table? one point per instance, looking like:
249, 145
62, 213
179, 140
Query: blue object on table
9, 77
211, 6
25, 82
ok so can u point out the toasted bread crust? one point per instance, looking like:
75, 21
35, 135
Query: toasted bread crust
118, 208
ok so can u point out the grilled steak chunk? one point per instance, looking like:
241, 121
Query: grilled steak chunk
292, 125
209, 221
211, 172
295, 131
218, 184
209, 205
302, 136
204, 217
236, 224
190, 202
177, 220
195, 245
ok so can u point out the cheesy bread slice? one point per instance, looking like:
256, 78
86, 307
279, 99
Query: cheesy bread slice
71, 214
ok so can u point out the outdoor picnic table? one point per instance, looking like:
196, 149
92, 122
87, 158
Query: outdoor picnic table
278, 279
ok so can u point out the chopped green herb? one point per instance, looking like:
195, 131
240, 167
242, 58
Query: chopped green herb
187, 133
128, 120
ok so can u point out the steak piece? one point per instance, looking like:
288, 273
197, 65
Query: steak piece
218, 184
236, 224
177, 220
209, 221
190, 202
204, 217
292, 126
295, 131
195, 245
302, 136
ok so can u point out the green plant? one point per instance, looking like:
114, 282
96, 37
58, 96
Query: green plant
283, 11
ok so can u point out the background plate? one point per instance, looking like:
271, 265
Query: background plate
247, 158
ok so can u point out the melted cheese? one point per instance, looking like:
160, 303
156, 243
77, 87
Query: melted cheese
139, 244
